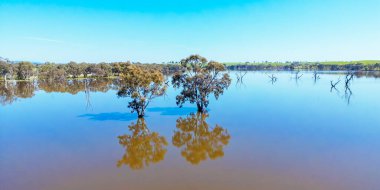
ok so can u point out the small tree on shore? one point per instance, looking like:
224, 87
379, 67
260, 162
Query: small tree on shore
74, 69
198, 79
24, 70
5, 69
142, 85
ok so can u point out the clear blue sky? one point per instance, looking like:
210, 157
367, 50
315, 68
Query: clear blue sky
156, 31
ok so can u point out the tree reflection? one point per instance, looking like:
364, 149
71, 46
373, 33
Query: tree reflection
198, 140
10, 91
76, 86
142, 147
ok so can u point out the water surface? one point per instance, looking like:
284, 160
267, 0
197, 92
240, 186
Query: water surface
283, 135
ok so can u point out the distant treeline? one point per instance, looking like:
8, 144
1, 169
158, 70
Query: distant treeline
27, 70
323, 66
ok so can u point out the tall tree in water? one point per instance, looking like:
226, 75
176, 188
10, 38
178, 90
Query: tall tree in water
198, 79
142, 85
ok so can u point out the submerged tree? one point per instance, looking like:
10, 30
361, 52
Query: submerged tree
199, 141
198, 79
142, 85
142, 147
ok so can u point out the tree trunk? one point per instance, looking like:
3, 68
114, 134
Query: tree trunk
200, 107
141, 113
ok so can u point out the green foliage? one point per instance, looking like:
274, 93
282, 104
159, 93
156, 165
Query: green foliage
365, 65
74, 69
5, 69
198, 79
142, 85
51, 71
25, 70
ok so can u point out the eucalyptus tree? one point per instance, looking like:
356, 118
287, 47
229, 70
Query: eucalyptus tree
5, 69
74, 69
51, 71
142, 85
25, 70
198, 79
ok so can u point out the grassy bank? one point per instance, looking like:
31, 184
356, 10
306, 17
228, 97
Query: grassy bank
363, 65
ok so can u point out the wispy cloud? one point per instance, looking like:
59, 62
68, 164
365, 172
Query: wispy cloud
44, 39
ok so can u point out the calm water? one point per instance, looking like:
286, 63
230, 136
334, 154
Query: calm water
288, 135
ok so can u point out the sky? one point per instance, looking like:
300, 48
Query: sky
169, 30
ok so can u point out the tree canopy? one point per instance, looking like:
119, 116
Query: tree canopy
198, 79
141, 85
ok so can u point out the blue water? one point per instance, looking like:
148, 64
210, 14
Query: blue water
290, 134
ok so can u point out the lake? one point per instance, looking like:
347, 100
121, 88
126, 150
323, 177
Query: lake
260, 134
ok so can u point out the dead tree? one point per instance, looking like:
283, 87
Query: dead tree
347, 90
240, 75
273, 78
333, 85
298, 76
349, 78
87, 90
315, 76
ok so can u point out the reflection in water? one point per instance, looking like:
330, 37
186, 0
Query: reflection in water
142, 147
347, 89
198, 140
10, 91
316, 76
75, 86
239, 77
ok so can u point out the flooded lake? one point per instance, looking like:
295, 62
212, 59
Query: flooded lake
260, 134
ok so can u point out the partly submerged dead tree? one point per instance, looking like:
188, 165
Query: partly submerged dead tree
315, 76
347, 82
333, 84
240, 75
349, 78
298, 76
273, 78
